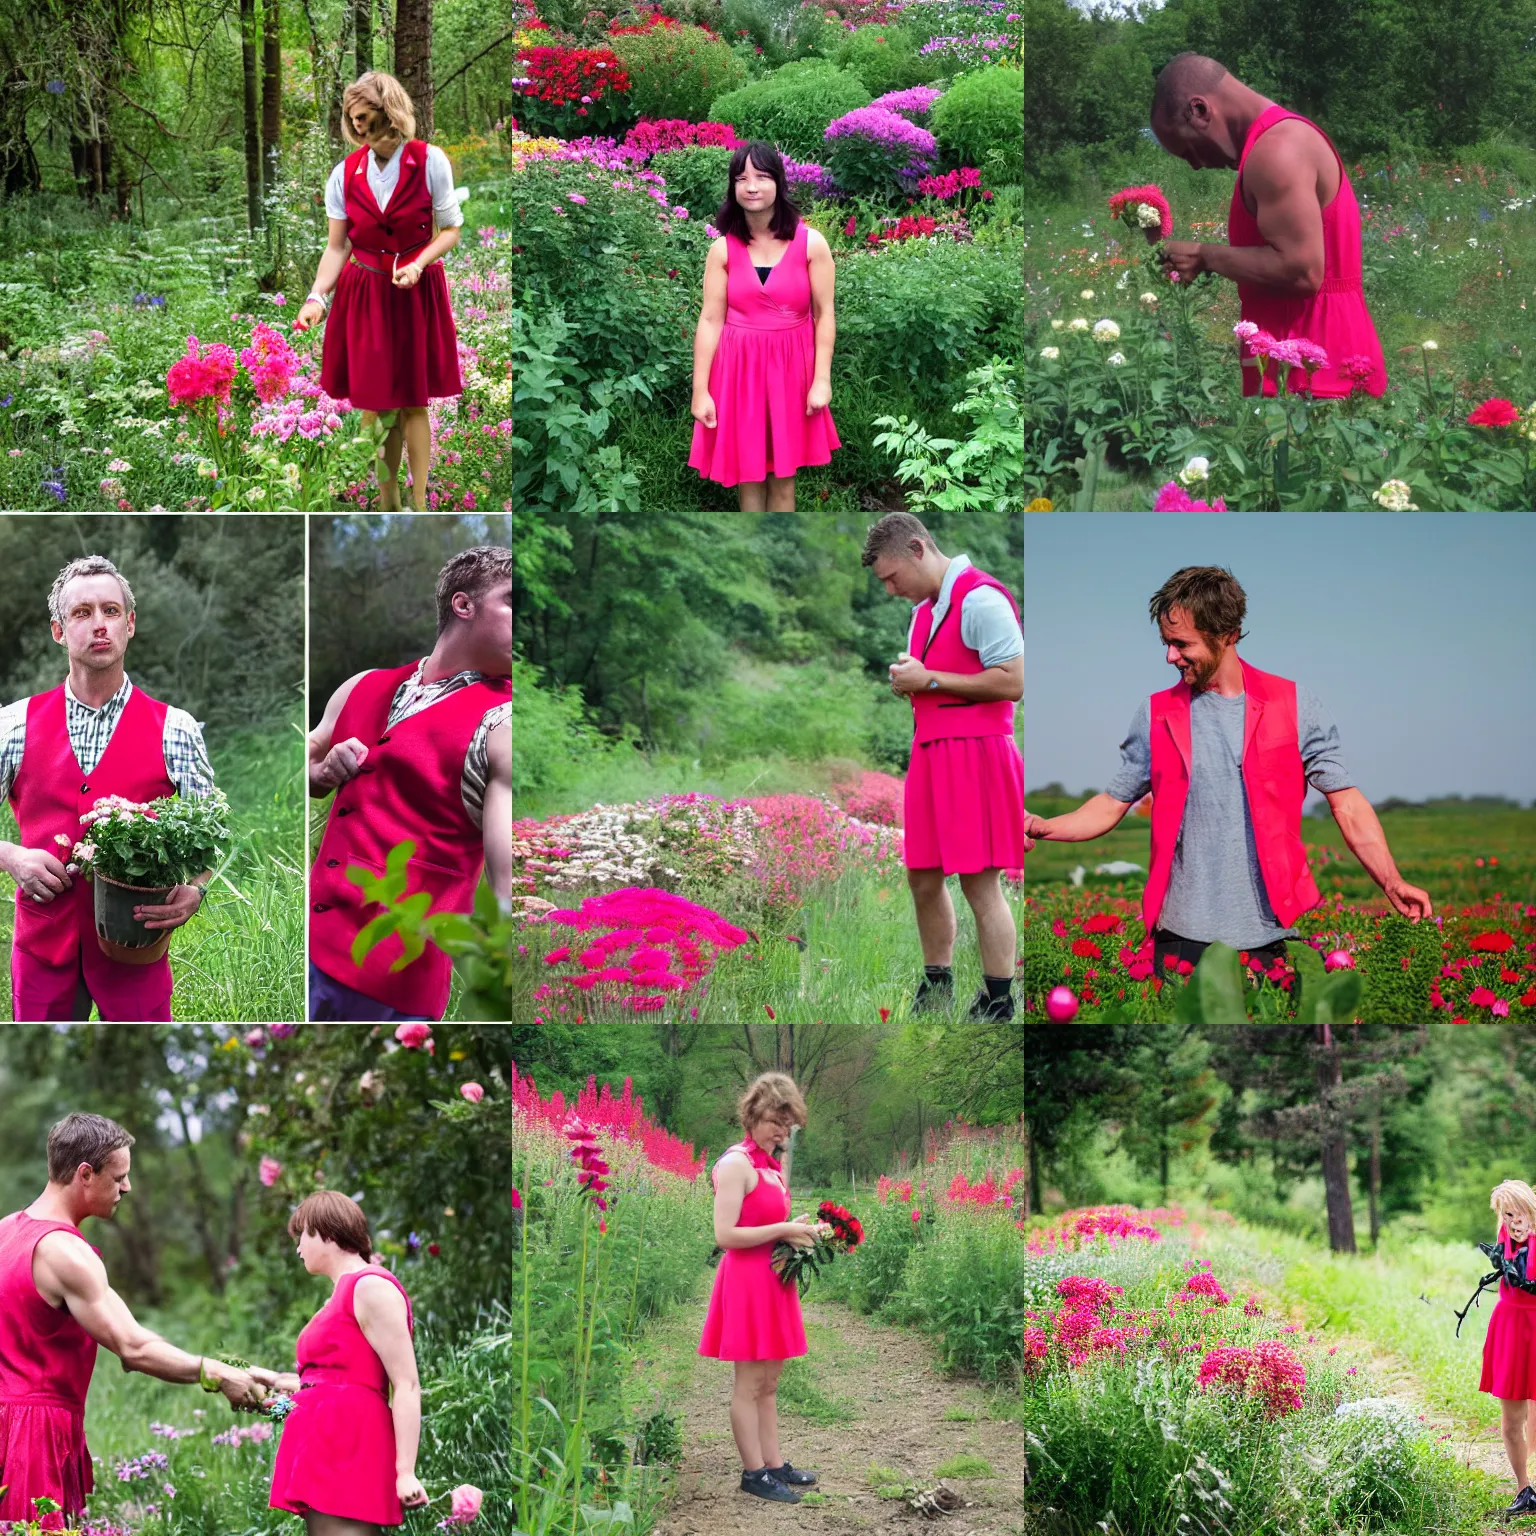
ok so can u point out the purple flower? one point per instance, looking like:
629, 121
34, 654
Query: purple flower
576, 197
914, 102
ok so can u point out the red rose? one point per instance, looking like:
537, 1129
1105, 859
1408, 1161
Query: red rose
433, 1249
1494, 413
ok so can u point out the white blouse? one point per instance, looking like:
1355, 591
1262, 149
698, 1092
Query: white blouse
383, 180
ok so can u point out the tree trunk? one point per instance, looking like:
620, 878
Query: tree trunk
1375, 1176
271, 90
413, 58
362, 21
1341, 1216
1031, 1147
253, 209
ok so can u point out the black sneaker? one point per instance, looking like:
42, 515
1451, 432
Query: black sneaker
792, 1475
934, 996
762, 1484
987, 1007
1525, 1503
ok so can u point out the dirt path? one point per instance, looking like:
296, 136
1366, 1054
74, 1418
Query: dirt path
867, 1396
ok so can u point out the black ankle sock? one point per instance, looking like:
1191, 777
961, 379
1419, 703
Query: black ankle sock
939, 973
998, 987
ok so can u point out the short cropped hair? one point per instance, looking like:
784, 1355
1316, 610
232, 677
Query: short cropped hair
1210, 595
772, 1093
86, 565
473, 572
385, 94
81, 1138
892, 534
331, 1215
1183, 76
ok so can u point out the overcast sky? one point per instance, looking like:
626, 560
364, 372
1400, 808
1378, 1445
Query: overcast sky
1416, 630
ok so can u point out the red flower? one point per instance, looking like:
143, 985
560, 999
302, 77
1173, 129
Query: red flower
1128, 197
769, 1011
885, 1014
1494, 943
1104, 922
1494, 413
1086, 949
433, 1249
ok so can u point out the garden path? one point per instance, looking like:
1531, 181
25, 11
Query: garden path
867, 1396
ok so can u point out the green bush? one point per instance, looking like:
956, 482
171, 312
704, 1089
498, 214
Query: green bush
886, 59
979, 121
555, 739
677, 71
793, 106
696, 177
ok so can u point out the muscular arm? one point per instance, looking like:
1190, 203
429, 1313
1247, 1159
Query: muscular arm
496, 815
332, 763
1093, 818
381, 1314
1363, 832
1004, 681
1283, 180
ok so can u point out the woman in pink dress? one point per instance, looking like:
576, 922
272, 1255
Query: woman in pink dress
762, 354
347, 1459
1509, 1349
754, 1317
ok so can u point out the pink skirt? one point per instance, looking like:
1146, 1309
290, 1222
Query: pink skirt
965, 805
753, 1315
1509, 1350
43, 1454
337, 1456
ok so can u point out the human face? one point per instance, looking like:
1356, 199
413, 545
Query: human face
101, 1190
371, 124
1194, 138
490, 627
773, 1130
315, 1251
902, 575
1197, 656
97, 625
755, 189
1517, 1224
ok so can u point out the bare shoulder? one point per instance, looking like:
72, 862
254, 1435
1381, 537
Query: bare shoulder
377, 1298
735, 1166
63, 1262
1292, 151
717, 251
816, 242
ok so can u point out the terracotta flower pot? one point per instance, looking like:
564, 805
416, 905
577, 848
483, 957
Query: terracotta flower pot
121, 935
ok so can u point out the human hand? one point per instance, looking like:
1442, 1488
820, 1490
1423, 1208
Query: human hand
238, 1385
309, 312
412, 1495
1186, 257
704, 409
39, 874
408, 275
820, 396
908, 675
342, 763
798, 1234
185, 901
1409, 900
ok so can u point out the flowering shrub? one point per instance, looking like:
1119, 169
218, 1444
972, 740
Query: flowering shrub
1116, 1224
873, 797
914, 103
560, 85
652, 135
1268, 1372
676, 70
876, 151
802, 841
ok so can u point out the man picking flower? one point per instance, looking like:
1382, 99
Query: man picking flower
1293, 229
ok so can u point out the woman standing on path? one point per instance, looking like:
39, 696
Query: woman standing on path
762, 353
754, 1317
1509, 1350
391, 344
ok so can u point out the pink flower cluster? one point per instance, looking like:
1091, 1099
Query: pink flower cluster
1204, 1285
1114, 1223
1268, 1372
588, 1158
622, 1120
1172, 497
872, 796
270, 361
985, 1192
308, 410
802, 841
951, 184
1294, 352
652, 135
1122, 204
1083, 1326
201, 373
886, 1187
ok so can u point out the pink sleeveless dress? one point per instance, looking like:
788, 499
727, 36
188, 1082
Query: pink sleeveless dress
46, 1359
753, 1315
1509, 1348
762, 372
337, 1454
1335, 317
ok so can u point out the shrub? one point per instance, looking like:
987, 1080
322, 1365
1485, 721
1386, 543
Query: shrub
886, 59
980, 121
873, 151
696, 177
793, 106
914, 103
572, 90
655, 134
677, 71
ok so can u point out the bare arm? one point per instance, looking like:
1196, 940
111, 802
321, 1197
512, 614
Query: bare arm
1363, 832
331, 764
1004, 681
496, 815
731, 1179
381, 1314
706, 338
1093, 818
823, 277
332, 259
1283, 181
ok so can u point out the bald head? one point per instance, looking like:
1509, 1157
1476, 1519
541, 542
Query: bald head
1183, 76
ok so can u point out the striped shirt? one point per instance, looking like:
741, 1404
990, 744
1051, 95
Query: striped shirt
90, 730
413, 696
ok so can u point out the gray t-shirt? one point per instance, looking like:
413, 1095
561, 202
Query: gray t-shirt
1215, 890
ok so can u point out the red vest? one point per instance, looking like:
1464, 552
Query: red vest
406, 224
936, 714
410, 787
1273, 776
50, 794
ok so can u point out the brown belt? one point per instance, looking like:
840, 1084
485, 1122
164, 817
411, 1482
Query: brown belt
384, 271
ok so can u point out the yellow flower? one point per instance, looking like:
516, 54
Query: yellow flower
1041, 504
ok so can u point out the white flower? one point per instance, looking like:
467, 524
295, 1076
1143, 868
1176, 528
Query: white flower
1086, 295
1077, 323
1050, 354
1151, 300
1473, 242
1147, 216
1058, 325
1430, 346
1198, 468
1394, 495
1116, 359
1106, 331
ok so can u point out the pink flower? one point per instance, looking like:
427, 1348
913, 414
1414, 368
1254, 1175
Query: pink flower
282, 1031
270, 1171
471, 1091
1481, 997
517, 1199
1338, 960
254, 1038
917, 1216
1061, 1005
413, 1036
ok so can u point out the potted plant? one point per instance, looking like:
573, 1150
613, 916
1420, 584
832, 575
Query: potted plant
135, 855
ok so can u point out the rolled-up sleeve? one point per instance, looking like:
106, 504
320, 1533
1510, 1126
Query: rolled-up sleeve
1133, 778
445, 206
1322, 755
335, 193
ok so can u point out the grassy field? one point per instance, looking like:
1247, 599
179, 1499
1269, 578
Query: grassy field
242, 957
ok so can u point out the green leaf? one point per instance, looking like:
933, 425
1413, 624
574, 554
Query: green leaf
1214, 994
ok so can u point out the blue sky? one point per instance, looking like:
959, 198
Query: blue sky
1416, 630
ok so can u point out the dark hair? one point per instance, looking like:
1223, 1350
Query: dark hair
473, 572
892, 534
1183, 76
331, 1215
81, 1138
732, 217
1210, 595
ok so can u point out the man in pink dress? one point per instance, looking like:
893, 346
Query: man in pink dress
1293, 227
963, 811
56, 1306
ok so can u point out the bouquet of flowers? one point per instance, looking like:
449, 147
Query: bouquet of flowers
159, 844
837, 1230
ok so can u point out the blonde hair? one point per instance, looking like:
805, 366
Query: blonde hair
771, 1093
1514, 1195
383, 93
